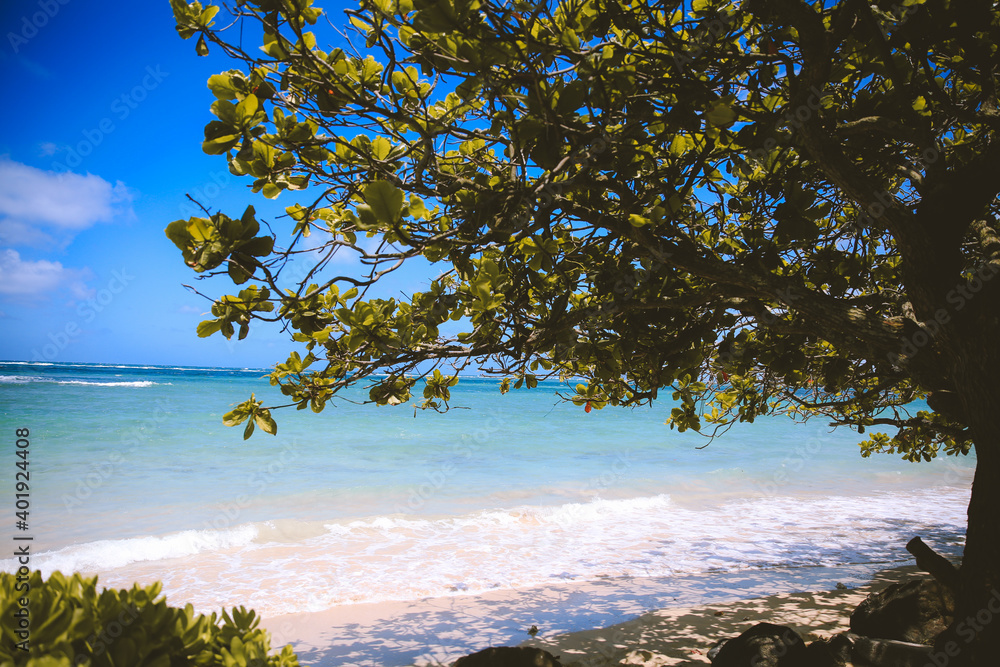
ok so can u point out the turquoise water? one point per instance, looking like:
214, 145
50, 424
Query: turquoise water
135, 478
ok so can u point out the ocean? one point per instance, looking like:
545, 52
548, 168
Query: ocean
134, 478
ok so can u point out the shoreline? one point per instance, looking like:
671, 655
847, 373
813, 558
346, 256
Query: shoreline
593, 623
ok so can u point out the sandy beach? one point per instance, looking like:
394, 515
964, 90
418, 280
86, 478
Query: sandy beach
670, 621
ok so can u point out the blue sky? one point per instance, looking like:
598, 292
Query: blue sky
103, 122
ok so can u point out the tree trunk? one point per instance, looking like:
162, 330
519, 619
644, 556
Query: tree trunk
974, 637
930, 561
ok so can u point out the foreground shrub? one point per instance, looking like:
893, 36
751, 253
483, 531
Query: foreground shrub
65, 622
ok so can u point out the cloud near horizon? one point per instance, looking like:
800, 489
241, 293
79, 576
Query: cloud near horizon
45, 209
25, 278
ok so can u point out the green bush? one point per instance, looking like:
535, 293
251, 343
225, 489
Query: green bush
69, 623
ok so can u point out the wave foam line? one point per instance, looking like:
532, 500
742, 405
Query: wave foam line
105, 555
280, 568
30, 379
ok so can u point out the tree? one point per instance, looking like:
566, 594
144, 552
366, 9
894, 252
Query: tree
765, 207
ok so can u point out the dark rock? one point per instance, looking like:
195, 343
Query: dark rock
509, 656
716, 647
832, 652
764, 645
889, 653
915, 611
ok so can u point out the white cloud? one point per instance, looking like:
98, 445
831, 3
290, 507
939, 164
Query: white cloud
41, 208
22, 278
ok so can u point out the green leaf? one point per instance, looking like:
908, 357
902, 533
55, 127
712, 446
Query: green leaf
208, 327
258, 247
248, 223
177, 231
720, 114
235, 417
123, 652
220, 145
273, 46
201, 48
205, 19
247, 109
381, 148
224, 85
265, 422
366, 218
385, 201
308, 41
437, 17
238, 273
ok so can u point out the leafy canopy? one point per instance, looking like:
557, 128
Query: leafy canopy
760, 206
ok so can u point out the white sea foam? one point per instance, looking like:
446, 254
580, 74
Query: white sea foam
136, 367
28, 379
312, 567
105, 555
19, 379
137, 383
